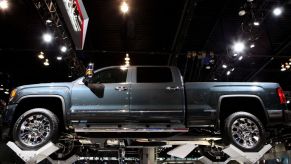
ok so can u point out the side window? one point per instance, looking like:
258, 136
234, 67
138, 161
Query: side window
114, 75
154, 75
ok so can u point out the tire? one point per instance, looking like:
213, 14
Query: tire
42, 123
245, 131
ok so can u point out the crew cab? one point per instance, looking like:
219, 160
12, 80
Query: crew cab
145, 99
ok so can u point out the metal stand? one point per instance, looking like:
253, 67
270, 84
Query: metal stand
237, 155
34, 156
183, 150
70, 160
149, 155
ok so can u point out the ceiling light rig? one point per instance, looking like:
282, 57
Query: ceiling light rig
57, 33
252, 13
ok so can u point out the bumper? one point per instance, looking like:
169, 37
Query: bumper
279, 117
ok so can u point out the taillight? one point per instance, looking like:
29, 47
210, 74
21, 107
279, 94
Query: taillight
281, 95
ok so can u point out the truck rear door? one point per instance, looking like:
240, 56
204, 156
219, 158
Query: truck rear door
156, 96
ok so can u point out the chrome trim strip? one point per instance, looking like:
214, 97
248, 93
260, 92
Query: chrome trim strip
88, 130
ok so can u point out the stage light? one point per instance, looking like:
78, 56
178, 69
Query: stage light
242, 13
6, 92
47, 37
64, 49
283, 69
4, 4
234, 55
208, 67
124, 7
224, 66
232, 69
256, 23
238, 46
277, 11
46, 63
48, 21
59, 58
228, 73
252, 45
41, 55
240, 58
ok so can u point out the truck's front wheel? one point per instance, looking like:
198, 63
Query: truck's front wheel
244, 131
35, 128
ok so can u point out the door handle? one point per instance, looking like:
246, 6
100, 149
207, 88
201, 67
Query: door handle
172, 88
120, 88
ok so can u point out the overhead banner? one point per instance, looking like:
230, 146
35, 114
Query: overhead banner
76, 19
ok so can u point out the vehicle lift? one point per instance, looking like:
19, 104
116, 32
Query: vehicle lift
149, 154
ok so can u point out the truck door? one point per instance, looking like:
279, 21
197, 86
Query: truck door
107, 102
156, 96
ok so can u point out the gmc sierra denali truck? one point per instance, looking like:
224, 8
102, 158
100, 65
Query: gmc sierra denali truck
143, 99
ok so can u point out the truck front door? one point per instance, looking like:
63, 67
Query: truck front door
105, 101
157, 96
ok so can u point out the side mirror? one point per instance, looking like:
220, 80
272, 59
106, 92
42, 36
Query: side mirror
89, 73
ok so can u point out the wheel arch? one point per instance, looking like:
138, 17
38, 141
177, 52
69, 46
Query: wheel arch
40, 100
224, 110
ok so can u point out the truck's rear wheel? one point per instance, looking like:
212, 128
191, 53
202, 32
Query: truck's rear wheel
35, 128
244, 131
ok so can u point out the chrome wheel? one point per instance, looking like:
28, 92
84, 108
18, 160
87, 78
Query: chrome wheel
245, 133
34, 130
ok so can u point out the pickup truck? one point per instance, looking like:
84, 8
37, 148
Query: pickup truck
145, 99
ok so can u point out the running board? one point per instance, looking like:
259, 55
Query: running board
128, 130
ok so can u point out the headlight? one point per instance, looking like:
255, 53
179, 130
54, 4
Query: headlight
12, 94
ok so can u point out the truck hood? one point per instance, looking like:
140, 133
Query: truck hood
41, 85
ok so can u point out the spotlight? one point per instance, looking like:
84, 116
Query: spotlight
59, 58
48, 21
46, 63
234, 55
277, 11
224, 66
256, 23
242, 13
207, 67
215, 79
240, 58
252, 45
6, 92
124, 7
288, 101
41, 55
64, 49
283, 69
4, 4
238, 47
232, 69
228, 73
47, 37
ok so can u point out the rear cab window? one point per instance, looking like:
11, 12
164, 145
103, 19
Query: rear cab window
154, 75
